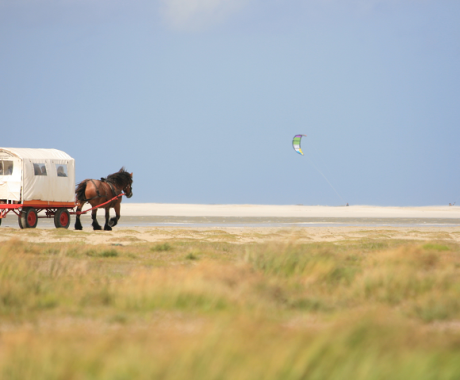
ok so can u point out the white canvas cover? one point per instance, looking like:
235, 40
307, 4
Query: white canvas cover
54, 182
10, 183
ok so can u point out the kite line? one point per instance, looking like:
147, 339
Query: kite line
296, 145
320, 172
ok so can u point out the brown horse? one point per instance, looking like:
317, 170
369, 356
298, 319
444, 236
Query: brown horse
97, 192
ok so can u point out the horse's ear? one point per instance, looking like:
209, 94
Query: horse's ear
131, 175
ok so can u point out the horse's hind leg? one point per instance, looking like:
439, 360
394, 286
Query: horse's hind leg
95, 224
107, 223
78, 225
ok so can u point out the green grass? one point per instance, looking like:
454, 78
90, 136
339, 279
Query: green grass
102, 253
436, 247
161, 247
369, 309
193, 256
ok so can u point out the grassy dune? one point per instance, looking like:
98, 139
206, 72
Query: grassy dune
368, 309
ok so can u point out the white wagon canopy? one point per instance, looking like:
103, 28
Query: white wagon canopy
31, 175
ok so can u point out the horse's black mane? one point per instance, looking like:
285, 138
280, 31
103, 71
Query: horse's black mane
120, 178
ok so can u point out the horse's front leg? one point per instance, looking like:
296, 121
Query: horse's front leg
95, 224
78, 225
107, 226
113, 222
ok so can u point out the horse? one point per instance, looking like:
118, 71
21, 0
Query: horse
97, 192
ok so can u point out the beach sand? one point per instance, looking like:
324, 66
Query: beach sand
132, 234
288, 211
236, 235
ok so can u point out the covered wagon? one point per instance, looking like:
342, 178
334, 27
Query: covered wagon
35, 180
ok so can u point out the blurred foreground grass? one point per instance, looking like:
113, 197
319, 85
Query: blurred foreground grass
369, 309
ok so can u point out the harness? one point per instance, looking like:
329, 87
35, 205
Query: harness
114, 192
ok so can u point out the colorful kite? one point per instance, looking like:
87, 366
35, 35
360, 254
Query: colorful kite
296, 143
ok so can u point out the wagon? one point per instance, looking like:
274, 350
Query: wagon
36, 180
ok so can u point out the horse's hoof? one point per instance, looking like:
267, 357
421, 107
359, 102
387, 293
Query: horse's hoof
79, 228
113, 222
107, 228
97, 228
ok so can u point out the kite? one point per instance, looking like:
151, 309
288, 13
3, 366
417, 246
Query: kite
296, 143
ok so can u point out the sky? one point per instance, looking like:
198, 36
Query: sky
200, 99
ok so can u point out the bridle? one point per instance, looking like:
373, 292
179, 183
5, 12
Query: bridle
128, 190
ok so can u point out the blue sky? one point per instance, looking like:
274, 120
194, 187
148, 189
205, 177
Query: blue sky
201, 98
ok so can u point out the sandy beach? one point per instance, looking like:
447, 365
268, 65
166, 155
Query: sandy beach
196, 210
207, 223
235, 235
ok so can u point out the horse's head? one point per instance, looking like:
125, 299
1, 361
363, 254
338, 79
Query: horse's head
123, 181
128, 190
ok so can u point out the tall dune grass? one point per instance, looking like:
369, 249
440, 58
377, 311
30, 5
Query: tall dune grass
363, 310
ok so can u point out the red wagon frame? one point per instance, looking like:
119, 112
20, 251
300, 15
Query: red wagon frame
28, 211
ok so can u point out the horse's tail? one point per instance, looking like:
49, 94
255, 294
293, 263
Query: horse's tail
80, 191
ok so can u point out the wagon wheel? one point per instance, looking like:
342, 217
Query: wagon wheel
28, 218
62, 218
